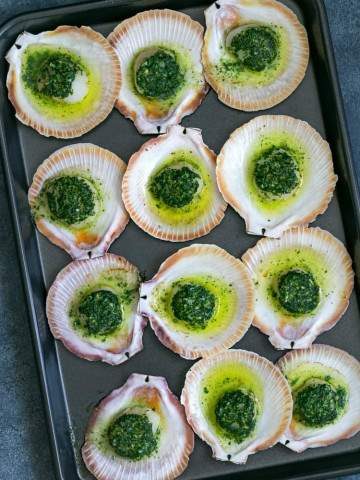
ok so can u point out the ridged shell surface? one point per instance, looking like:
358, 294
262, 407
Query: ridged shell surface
92, 236
309, 250
176, 439
257, 90
92, 99
188, 265
77, 280
274, 398
336, 363
148, 31
240, 156
172, 150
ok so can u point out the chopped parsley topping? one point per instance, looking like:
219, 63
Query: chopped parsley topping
256, 47
194, 305
276, 172
176, 187
236, 413
159, 76
70, 199
319, 404
51, 73
100, 312
131, 436
298, 292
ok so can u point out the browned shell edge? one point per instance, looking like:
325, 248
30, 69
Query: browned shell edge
311, 216
122, 30
38, 180
184, 352
290, 87
189, 436
136, 215
263, 327
287, 414
351, 431
122, 263
95, 119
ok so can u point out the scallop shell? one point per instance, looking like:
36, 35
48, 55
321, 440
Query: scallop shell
105, 167
335, 300
274, 417
224, 15
144, 162
201, 260
349, 424
61, 294
176, 442
98, 54
154, 27
314, 194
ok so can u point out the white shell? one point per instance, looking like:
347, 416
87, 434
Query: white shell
276, 410
201, 260
61, 294
349, 424
314, 193
141, 166
333, 302
94, 49
225, 15
105, 167
176, 441
156, 27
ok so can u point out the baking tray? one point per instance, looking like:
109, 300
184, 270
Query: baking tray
71, 386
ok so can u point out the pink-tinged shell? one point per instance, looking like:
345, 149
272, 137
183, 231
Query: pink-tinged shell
201, 259
153, 28
104, 166
349, 424
61, 294
141, 166
276, 409
314, 194
225, 15
90, 46
176, 437
281, 334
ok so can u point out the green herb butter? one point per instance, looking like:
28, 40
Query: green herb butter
70, 199
131, 436
159, 76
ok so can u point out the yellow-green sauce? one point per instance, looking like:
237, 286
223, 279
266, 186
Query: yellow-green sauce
255, 57
181, 189
217, 297
100, 309
220, 390
277, 170
47, 74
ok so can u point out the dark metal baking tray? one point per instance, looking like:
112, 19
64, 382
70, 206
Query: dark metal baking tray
71, 386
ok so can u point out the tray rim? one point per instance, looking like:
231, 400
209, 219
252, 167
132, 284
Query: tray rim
15, 220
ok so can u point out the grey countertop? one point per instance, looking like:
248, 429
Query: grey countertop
24, 441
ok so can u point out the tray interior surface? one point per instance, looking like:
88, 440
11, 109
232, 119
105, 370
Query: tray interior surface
78, 385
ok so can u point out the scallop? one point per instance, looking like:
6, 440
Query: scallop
201, 301
92, 308
255, 52
140, 432
303, 282
325, 384
276, 172
75, 199
160, 63
237, 402
64, 82
169, 188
